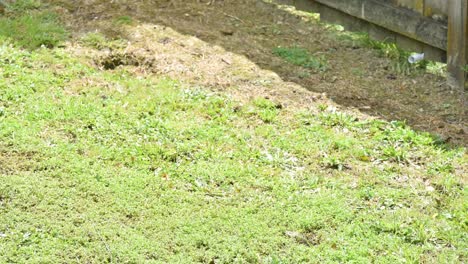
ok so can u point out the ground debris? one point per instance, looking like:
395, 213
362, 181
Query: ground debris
309, 239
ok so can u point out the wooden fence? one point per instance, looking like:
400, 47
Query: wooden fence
436, 27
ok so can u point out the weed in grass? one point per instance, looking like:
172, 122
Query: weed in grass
334, 162
266, 109
441, 167
337, 119
396, 154
437, 68
123, 20
322, 107
398, 56
303, 75
366, 193
399, 132
301, 57
342, 143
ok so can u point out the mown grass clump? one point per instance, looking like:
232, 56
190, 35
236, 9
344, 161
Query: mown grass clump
301, 57
123, 20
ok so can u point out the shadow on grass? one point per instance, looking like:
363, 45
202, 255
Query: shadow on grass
355, 76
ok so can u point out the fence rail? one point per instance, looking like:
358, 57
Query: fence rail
436, 27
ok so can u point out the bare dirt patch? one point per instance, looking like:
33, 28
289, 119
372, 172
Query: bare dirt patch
228, 45
12, 162
115, 60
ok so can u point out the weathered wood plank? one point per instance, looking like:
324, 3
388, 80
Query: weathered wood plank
416, 5
387, 15
435, 7
457, 47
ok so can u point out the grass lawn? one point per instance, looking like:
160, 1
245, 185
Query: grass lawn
105, 166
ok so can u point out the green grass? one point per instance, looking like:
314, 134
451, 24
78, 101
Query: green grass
102, 166
108, 167
398, 56
301, 57
31, 28
123, 20
465, 68
17, 6
94, 40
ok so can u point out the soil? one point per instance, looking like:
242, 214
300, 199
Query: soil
227, 45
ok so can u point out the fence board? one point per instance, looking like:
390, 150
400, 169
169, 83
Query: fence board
416, 5
457, 47
436, 7
389, 16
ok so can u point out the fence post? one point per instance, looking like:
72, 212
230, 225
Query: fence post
457, 46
